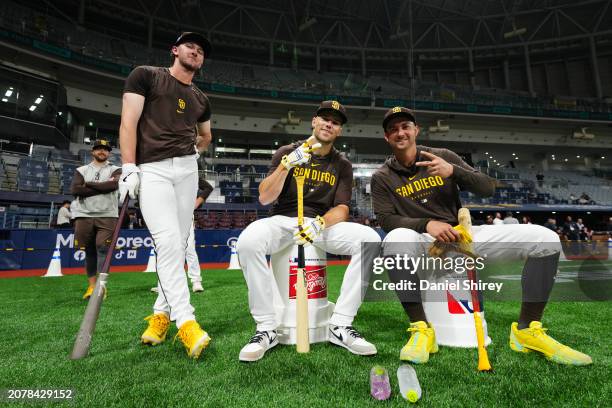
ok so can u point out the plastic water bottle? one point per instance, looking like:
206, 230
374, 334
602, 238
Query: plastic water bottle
380, 388
408, 383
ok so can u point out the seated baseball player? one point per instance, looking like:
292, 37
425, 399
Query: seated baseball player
327, 193
415, 196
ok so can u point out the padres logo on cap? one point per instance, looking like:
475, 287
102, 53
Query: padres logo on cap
335, 105
397, 109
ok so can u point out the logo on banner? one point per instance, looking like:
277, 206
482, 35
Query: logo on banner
231, 242
62, 241
79, 255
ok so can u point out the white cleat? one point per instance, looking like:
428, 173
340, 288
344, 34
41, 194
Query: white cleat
261, 342
154, 289
350, 339
197, 287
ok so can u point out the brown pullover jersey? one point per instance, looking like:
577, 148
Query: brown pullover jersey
328, 182
409, 197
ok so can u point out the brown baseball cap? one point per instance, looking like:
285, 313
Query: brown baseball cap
333, 107
195, 38
102, 143
398, 111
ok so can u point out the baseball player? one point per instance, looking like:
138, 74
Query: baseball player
191, 256
415, 196
163, 112
95, 209
327, 193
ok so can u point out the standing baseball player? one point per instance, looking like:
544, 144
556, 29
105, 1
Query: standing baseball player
164, 115
327, 193
95, 209
415, 196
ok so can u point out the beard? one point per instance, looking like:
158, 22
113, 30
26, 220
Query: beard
189, 65
100, 159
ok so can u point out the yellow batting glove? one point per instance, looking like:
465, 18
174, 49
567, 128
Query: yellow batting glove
299, 156
307, 233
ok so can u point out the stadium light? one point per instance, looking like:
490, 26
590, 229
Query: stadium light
515, 32
231, 150
439, 127
32, 108
9, 92
38, 100
262, 151
4, 100
307, 24
583, 134
399, 35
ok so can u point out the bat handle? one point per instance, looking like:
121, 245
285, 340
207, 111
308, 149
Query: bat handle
301, 262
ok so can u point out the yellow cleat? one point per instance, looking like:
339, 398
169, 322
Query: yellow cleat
193, 337
157, 330
422, 342
88, 292
534, 338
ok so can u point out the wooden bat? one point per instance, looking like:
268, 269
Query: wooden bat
88, 325
301, 295
483, 358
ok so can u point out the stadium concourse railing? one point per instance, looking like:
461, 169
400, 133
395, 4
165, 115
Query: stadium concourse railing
420, 102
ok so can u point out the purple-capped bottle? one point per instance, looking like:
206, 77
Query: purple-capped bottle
380, 388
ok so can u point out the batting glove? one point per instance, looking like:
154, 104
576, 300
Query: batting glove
129, 181
306, 234
299, 156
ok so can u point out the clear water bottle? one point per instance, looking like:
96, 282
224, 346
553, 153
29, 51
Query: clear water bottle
380, 388
408, 383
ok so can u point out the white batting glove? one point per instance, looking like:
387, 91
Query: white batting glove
299, 156
129, 181
307, 233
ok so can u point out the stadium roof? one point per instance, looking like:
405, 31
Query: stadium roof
390, 25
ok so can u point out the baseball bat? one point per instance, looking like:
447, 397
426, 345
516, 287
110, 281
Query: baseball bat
88, 325
483, 358
301, 295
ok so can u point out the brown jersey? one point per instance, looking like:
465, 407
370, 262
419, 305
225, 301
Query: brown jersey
405, 197
328, 182
172, 109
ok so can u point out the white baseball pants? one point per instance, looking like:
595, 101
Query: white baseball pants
504, 241
167, 192
270, 235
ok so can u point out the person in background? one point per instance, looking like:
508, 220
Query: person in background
581, 228
95, 209
551, 224
509, 219
498, 219
64, 215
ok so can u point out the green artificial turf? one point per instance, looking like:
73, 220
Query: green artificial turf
40, 317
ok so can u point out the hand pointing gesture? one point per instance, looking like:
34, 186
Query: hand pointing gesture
436, 166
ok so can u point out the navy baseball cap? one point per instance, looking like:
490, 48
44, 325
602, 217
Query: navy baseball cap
195, 38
